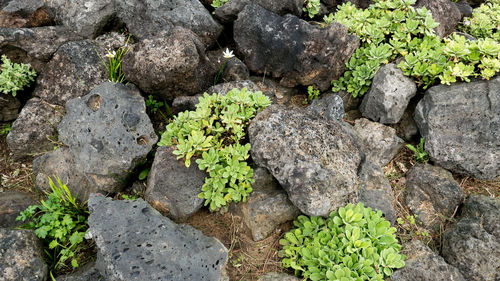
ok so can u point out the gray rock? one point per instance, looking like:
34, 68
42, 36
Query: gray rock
330, 106
461, 127
444, 12
75, 69
432, 194
9, 108
349, 102
376, 191
424, 265
224, 88
60, 164
149, 18
34, 45
33, 128
315, 160
21, 256
276, 92
274, 276
88, 272
292, 49
464, 8
135, 242
381, 142
86, 17
229, 11
389, 95
473, 244
11, 204
264, 211
183, 103
263, 180
25, 13
407, 127
108, 133
112, 41
234, 69
157, 65
172, 188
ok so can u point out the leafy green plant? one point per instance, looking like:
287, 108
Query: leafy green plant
419, 152
5, 129
61, 223
215, 131
353, 243
14, 76
114, 64
217, 3
485, 21
312, 94
312, 7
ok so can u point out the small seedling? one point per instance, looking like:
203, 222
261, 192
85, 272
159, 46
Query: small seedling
419, 152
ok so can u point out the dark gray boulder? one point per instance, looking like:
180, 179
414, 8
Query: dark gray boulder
229, 11
432, 194
473, 244
11, 204
34, 45
88, 272
21, 256
135, 242
75, 69
224, 88
376, 191
157, 65
108, 133
424, 265
315, 160
381, 142
9, 108
234, 68
172, 188
330, 106
389, 95
290, 48
25, 13
274, 276
34, 128
464, 8
149, 18
264, 211
461, 127
445, 12
263, 180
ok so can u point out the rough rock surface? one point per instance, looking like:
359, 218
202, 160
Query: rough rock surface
34, 45
234, 68
33, 127
25, 13
473, 244
229, 11
21, 256
264, 211
9, 108
444, 12
389, 95
135, 242
290, 48
88, 272
461, 127
432, 194
376, 191
172, 188
315, 160
329, 106
276, 92
11, 204
263, 180
381, 142
157, 65
148, 18
274, 276
464, 8
424, 265
108, 133
224, 88
72, 72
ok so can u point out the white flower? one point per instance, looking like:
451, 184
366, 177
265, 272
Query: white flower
110, 54
467, 22
228, 54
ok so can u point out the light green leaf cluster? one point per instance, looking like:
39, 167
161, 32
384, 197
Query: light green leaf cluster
14, 76
419, 152
217, 3
61, 223
216, 131
485, 21
353, 244
387, 29
312, 7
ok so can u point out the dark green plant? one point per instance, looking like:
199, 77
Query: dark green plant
114, 64
312, 7
419, 152
5, 129
61, 223
14, 76
353, 243
215, 133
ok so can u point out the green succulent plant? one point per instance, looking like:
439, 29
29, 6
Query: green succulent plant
14, 76
215, 134
217, 3
485, 21
353, 244
312, 7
